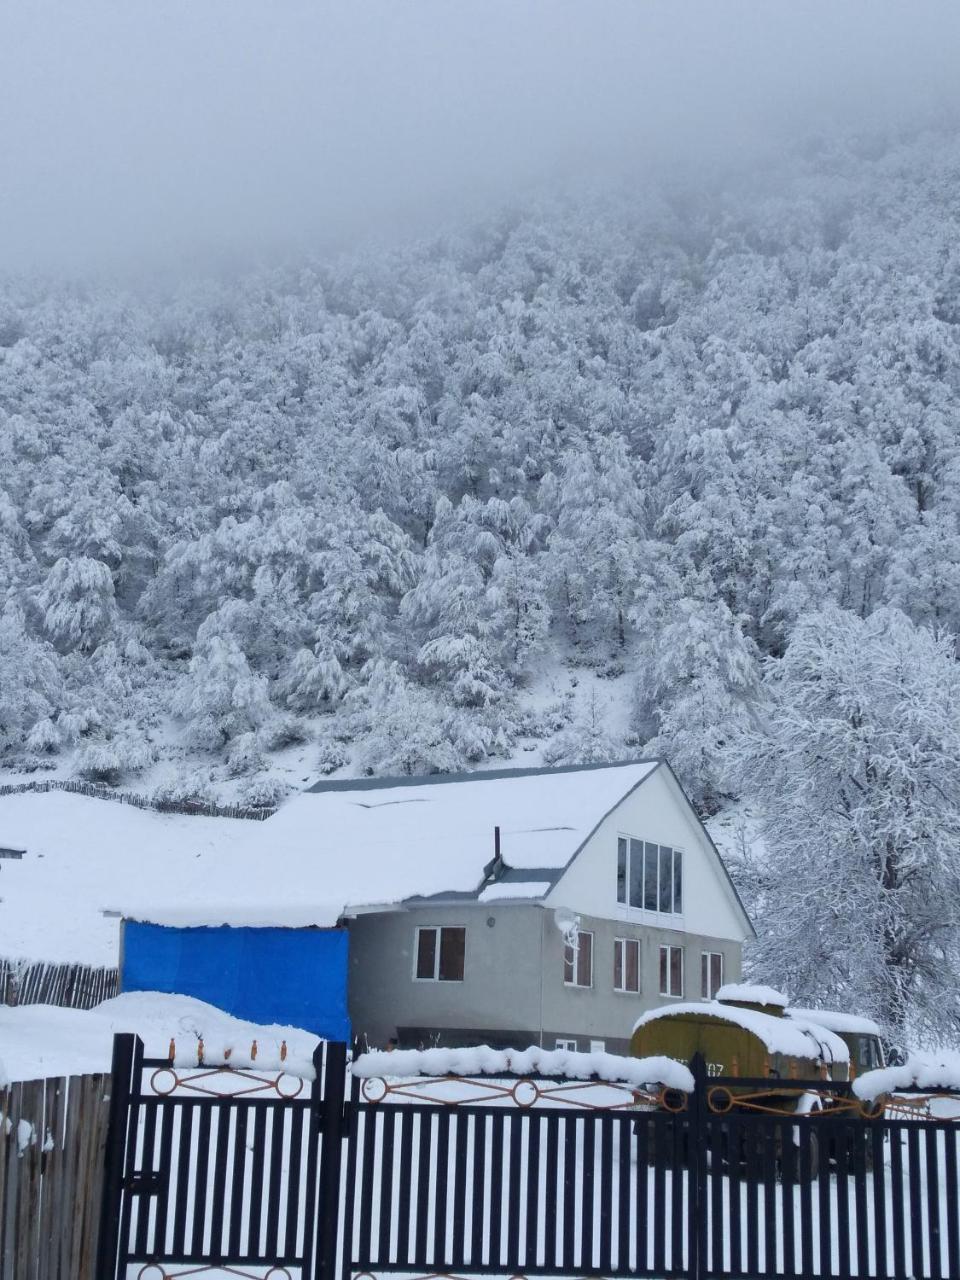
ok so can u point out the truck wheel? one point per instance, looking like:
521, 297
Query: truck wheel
798, 1173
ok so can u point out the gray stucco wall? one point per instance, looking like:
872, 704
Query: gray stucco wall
513, 989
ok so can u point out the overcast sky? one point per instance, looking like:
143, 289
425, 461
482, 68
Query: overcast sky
143, 129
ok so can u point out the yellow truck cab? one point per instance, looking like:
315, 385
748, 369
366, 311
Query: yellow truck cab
860, 1035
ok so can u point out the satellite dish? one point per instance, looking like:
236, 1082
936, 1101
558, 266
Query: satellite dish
568, 922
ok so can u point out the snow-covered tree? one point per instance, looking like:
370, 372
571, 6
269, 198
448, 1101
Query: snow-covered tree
77, 600
221, 698
855, 774
30, 686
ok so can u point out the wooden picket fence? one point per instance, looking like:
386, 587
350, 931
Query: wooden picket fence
71, 986
195, 808
52, 1138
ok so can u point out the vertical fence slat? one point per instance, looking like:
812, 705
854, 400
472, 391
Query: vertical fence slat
932, 1196
496, 1189
532, 1208
184, 1169
897, 1200
422, 1243
951, 1140
517, 1121
404, 1190
662, 1130
480, 1197
458, 1248
441, 1195
916, 1204
385, 1162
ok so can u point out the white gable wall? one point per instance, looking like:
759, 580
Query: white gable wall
656, 811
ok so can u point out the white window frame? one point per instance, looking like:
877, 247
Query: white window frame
621, 944
568, 1044
630, 853
575, 948
669, 947
436, 929
708, 956
598, 1046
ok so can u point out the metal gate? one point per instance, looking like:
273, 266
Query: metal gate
210, 1168
258, 1174
520, 1177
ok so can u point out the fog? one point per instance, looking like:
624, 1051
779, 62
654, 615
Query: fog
149, 132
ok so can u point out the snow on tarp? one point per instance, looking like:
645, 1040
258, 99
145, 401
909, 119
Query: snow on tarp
355, 848
245, 916
753, 994
40, 1041
506, 889
932, 1071
484, 1061
834, 1020
780, 1035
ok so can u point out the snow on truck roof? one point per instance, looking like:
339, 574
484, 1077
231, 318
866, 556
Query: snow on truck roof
752, 993
357, 844
792, 1038
834, 1020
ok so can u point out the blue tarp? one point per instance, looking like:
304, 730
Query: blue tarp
294, 977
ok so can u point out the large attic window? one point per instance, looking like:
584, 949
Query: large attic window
649, 876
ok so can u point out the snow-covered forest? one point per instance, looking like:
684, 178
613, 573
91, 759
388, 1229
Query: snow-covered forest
665, 471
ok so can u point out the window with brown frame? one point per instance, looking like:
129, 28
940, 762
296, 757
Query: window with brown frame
671, 971
440, 953
711, 973
626, 965
578, 961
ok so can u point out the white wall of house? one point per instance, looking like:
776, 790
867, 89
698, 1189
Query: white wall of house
656, 811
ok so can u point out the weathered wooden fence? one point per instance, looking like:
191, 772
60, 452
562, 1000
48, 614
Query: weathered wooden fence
195, 808
72, 986
52, 1137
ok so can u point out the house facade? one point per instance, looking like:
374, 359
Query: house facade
565, 950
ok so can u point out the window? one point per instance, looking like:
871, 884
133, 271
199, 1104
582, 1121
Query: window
569, 1045
626, 964
711, 973
440, 954
649, 876
578, 961
671, 971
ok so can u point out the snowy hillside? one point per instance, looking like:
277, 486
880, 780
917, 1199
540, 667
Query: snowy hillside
607, 476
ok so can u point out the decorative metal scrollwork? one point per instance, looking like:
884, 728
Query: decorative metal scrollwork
154, 1271
224, 1082
524, 1093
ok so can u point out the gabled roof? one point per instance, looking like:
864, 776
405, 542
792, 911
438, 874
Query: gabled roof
356, 844
392, 840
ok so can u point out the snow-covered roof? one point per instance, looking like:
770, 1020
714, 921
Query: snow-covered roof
833, 1020
780, 1035
345, 846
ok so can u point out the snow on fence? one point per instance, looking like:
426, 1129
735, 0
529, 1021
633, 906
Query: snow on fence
70, 986
52, 1136
199, 808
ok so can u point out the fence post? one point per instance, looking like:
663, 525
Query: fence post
127, 1049
331, 1159
697, 1234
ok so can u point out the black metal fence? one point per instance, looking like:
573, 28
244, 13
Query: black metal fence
213, 1168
